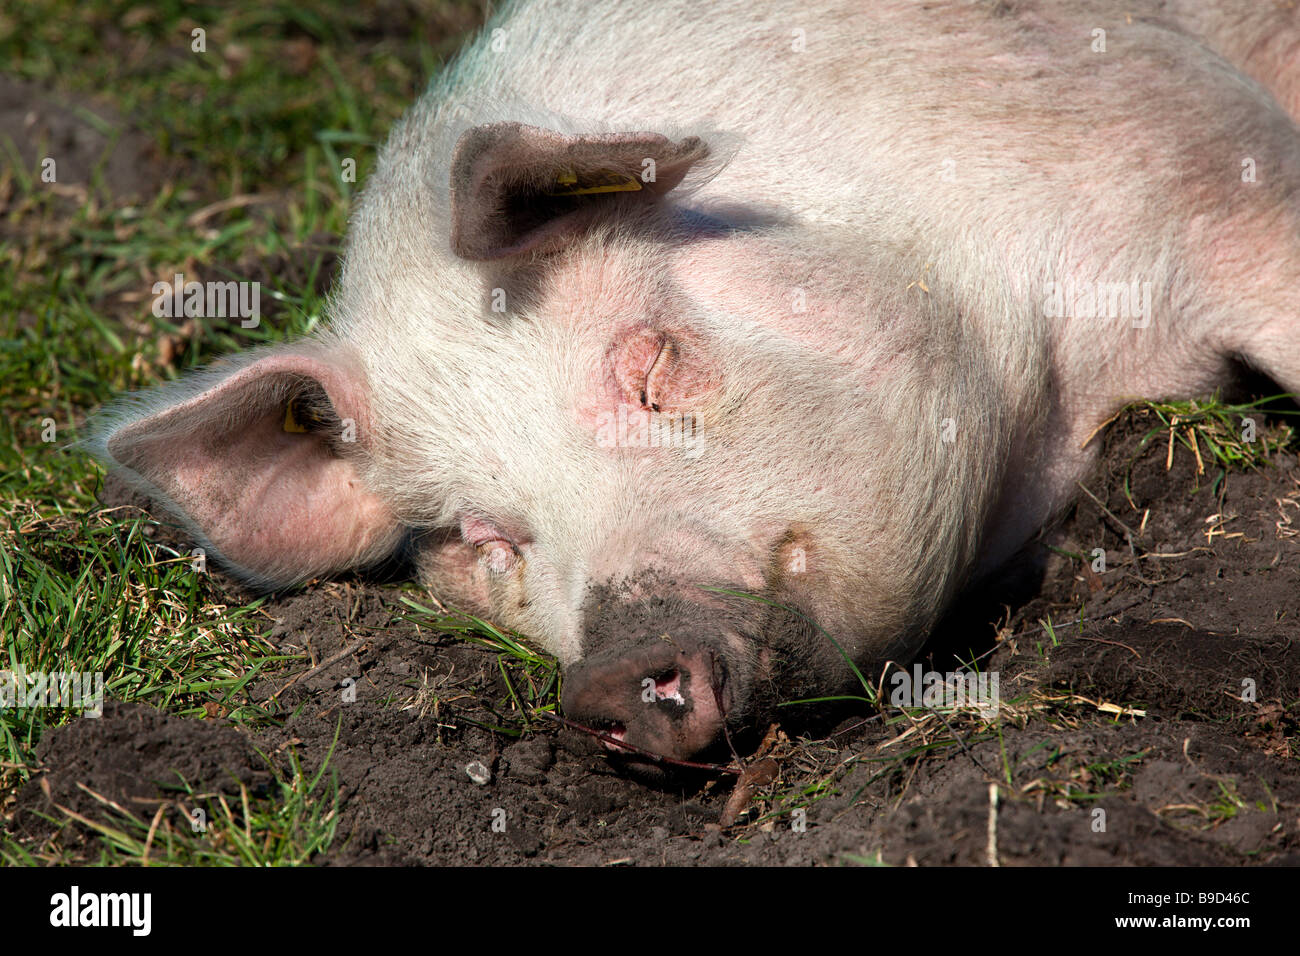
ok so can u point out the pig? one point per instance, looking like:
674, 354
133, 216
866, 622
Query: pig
718, 347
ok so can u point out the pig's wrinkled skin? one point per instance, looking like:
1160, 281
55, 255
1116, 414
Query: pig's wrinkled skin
838, 279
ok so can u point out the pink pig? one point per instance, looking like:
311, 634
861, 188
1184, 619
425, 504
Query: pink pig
648, 305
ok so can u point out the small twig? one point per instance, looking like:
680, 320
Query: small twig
1100, 504
961, 743
722, 712
332, 659
1100, 640
1196, 450
153, 829
874, 717
1093, 434
992, 849
225, 205
1060, 625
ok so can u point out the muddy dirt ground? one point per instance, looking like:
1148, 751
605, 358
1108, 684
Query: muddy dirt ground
1130, 704
1135, 711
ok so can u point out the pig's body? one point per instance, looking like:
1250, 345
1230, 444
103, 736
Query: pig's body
848, 299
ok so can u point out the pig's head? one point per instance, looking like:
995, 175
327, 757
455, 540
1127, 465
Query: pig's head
701, 462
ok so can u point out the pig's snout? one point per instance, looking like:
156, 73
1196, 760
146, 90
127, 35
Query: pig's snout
668, 697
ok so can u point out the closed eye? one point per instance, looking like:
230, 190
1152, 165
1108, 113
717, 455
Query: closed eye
497, 551
652, 391
498, 555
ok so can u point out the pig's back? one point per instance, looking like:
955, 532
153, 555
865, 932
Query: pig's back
927, 105
994, 141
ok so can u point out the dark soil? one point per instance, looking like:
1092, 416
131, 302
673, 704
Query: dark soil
1133, 719
40, 124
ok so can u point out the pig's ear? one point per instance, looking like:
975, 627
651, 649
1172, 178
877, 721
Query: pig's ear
260, 462
517, 188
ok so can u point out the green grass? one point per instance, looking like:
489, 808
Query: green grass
1231, 436
1221, 437
277, 83
854, 859
287, 825
263, 119
1070, 780
531, 680
1208, 814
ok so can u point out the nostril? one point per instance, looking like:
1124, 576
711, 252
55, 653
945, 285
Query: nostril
616, 731
669, 686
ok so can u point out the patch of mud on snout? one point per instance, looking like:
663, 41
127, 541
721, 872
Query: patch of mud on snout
660, 677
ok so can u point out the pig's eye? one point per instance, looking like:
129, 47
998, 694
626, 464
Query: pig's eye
498, 555
643, 368
655, 379
497, 552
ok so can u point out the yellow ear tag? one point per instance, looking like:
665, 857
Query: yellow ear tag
601, 181
291, 423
